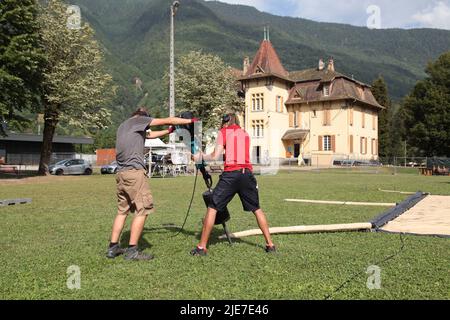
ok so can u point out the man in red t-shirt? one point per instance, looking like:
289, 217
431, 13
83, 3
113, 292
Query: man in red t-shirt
233, 143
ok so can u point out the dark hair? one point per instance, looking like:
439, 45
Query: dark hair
141, 112
230, 119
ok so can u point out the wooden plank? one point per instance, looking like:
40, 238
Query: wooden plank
393, 191
305, 229
11, 202
348, 203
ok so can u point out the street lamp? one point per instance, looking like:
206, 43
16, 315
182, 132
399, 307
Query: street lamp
173, 11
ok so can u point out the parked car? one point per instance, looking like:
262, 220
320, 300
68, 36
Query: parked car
72, 166
110, 168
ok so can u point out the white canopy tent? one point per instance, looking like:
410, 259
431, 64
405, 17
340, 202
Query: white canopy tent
179, 154
155, 145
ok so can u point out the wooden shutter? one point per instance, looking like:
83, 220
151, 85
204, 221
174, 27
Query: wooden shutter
291, 119
351, 143
365, 149
361, 145
333, 143
320, 143
299, 118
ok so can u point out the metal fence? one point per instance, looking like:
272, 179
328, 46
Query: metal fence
382, 165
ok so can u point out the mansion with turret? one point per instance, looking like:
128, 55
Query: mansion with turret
317, 114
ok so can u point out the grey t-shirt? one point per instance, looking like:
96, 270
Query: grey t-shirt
130, 143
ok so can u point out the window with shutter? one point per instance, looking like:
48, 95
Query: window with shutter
327, 143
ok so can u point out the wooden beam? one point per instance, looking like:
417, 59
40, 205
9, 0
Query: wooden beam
11, 202
305, 229
348, 203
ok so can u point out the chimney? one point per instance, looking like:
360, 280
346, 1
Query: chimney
246, 65
321, 65
331, 65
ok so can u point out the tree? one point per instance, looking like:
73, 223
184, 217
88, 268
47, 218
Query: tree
427, 110
75, 85
21, 59
380, 92
207, 86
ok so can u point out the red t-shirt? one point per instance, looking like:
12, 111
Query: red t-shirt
236, 143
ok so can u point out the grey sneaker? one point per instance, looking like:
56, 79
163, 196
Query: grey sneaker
134, 255
114, 252
271, 249
197, 252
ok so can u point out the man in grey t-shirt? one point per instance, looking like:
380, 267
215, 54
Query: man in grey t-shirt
133, 192
130, 143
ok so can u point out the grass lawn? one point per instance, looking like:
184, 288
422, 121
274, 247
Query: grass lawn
69, 221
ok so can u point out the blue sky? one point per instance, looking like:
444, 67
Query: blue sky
392, 13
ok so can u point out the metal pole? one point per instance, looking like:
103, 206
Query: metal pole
173, 10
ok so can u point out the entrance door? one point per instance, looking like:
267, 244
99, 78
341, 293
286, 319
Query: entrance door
2, 156
257, 154
296, 150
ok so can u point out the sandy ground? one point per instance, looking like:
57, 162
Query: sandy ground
431, 216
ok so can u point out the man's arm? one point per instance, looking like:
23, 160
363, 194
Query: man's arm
157, 134
172, 121
216, 155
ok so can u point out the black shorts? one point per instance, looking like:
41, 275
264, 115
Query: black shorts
239, 182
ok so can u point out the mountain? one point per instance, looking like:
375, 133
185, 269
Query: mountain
135, 34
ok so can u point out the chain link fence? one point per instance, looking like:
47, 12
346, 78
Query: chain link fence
382, 165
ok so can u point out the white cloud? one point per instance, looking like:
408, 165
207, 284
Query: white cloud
394, 14
434, 17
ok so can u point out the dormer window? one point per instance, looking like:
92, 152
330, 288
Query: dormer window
326, 90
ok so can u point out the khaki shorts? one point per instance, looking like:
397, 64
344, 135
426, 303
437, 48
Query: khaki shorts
133, 193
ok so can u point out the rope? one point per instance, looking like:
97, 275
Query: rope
190, 205
328, 297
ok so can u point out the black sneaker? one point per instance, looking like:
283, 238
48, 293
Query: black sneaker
114, 252
198, 252
134, 255
271, 249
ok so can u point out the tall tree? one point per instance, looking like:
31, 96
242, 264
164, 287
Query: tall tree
206, 85
427, 110
380, 92
75, 86
21, 58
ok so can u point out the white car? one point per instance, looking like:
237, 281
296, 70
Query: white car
69, 167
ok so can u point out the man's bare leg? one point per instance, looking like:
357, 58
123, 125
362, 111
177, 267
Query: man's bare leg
137, 227
264, 226
118, 225
208, 225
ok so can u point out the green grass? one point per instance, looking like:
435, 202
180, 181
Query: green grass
70, 218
